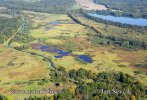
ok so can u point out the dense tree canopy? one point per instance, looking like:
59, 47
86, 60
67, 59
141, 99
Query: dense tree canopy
9, 23
50, 6
104, 85
131, 8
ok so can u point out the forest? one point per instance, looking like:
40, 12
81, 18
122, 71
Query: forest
9, 23
130, 8
93, 90
49, 6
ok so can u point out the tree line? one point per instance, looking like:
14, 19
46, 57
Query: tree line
3, 97
127, 42
129, 8
125, 86
92, 90
8, 26
48, 6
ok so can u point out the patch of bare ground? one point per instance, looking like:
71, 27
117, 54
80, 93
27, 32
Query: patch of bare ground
90, 5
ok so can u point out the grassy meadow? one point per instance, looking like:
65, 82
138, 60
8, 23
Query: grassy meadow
20, 70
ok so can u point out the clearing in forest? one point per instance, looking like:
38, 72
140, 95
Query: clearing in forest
90, 5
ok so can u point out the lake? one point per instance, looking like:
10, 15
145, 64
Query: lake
85, 58
60, 53
52, 49
123, 20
